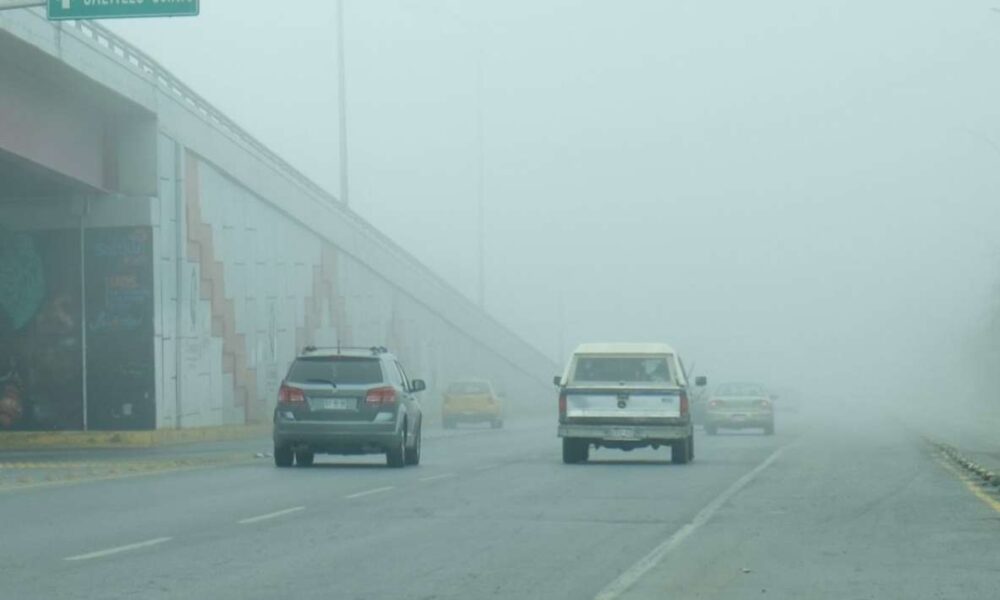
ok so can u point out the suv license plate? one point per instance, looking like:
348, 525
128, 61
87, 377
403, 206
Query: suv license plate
336, 403
623, 433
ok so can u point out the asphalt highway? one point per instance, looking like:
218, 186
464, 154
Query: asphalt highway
820, 510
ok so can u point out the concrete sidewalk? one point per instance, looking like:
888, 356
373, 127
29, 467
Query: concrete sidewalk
31, 440
21, 469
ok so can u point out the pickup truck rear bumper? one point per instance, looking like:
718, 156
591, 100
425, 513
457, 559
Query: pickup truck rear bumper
627, 433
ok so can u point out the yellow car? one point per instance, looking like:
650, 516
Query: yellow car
471, 401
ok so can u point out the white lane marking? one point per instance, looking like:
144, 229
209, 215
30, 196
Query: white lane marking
436, 477
634, 573
370, 492
119, 549
486, 467
277, 513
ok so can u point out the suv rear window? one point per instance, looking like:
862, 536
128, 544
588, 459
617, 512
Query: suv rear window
614, 369
338, 369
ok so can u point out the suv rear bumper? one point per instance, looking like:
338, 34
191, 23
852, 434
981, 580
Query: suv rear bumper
336, 437
635, 432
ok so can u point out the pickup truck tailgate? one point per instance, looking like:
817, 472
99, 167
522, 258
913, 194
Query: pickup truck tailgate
623, 404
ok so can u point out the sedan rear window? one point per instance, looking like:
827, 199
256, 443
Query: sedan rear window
740, 389
347, 370
468, 387
625, 369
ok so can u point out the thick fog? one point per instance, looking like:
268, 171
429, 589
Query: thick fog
801, 193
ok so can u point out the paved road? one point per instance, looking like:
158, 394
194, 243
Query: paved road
817, 512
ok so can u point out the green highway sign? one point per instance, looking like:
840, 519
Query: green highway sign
62, 10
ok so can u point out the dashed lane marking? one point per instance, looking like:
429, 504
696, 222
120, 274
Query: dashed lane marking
272, 515
119, 549
437, 477
370, 492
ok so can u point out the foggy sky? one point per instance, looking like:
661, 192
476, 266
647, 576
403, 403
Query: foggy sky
802, 193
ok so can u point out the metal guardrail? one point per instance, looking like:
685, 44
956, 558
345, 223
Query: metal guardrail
136, 59
145, 64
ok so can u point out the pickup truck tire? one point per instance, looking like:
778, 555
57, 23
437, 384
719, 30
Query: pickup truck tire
304, 459
680, 451
575, 451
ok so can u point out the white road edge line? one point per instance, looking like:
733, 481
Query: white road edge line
436, 477
370, 492
277, 513
119, 549
634, 573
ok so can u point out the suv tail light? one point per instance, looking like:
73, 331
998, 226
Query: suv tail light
290, 395
684, 403
381, 396
562, 406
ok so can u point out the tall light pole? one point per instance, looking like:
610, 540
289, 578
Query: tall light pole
342, 102
481, 177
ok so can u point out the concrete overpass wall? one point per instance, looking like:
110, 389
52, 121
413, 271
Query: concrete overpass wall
234, 257
257, 284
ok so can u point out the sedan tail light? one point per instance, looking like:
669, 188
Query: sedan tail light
381, 396
290, 395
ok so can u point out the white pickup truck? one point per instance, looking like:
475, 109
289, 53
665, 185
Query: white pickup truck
625, 396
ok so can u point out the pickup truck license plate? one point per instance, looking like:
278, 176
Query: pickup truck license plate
623, 433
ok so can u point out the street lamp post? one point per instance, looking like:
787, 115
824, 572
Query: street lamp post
481, 176
342, 104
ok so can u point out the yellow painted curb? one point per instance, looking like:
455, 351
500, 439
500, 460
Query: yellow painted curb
31, 440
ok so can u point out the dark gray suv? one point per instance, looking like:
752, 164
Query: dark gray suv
347, 401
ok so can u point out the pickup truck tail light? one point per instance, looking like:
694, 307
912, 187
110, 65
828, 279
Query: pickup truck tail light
562, 406
381, 396
684, 403
290, 395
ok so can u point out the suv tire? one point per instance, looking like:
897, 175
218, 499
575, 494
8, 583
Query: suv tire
283, 456
413, 456
395, 457
769, 428
575, 451
305, 459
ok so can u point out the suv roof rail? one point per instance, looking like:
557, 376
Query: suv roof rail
376, 350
